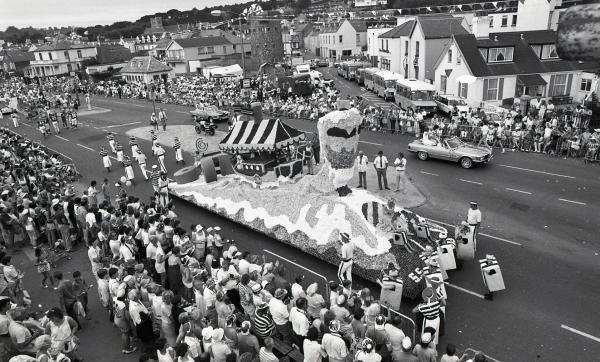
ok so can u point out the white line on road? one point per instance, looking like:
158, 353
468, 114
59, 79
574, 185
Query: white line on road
86, 147
586, 335
137, 105
471, 182
464, 290
429, 173
62, 138
573, 202
521, 191
121, 125
483, 234
371, 143
182, 112
536, 171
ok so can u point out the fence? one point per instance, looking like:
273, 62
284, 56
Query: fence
470, 353
408, 324
293, 269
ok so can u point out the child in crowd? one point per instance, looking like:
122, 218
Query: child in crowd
43, 266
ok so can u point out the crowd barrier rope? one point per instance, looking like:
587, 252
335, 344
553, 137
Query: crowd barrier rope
470, 353
293, 269
407, 322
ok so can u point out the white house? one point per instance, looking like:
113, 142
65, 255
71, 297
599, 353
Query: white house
188, 55
145, 70
365, 3
343, 40
509, 65
372, 42
60, 58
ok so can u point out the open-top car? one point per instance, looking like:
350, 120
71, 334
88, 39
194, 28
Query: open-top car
210, 113
451, 149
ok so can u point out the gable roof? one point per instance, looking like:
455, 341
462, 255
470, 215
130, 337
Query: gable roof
441, 26
202, 41
525, 61
404, 29
359, 25
63, 45
146, 64
162, 44
17, 55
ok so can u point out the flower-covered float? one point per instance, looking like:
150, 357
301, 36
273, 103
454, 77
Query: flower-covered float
309, 211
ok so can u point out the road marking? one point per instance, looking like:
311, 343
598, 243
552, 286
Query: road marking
465, 290
515, 190
536, 171
182, 112
429, 173
483, 234
573, 202
121, 125
137, 105
62, 138
471, 182
86, 147
371, 143
586, 335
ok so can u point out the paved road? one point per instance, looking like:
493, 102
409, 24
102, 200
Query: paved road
546, 245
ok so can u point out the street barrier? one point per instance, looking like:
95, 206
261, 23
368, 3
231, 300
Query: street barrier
408, 324
470, 353
293, 269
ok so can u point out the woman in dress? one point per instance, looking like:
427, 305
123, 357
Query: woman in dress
174, 276
166, 317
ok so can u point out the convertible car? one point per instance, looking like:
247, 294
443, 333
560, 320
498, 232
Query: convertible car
210, 113
451, 149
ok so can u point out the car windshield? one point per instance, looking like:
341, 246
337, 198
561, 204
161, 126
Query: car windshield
457, 102
454, 142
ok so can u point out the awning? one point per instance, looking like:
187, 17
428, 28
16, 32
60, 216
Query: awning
529, 80
266, 135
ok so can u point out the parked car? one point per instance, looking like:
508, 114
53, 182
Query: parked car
210, 113
452, 149
322, 63
446, 104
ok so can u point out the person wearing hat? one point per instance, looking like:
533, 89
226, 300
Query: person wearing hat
361, 164
367, 352
162, 117
121, 320
105, 158
474, 218
247, 342
380, 338
279, 311
425, 351
141, 160
430, 311
263, 321
405, 354
155, 177
216, 240
345, 267
128, 169
120, 154
160, 155
391, 288
134, 146
163, 186
154, 121
178, 152
333, 343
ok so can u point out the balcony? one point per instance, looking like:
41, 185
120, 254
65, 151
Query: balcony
49, 62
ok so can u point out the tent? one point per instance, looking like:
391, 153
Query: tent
266, 135
228, 71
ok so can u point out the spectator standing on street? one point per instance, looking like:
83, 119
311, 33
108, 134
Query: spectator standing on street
162, 117
400, 164
362, 161
381, 163
154, 121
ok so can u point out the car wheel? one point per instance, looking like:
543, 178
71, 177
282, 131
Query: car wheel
466, 162
422, 155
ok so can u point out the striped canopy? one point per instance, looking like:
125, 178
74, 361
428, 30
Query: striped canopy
266, 135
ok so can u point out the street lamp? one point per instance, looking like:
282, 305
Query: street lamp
220, 13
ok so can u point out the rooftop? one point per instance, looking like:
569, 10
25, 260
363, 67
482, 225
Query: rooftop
147, 64
401, 30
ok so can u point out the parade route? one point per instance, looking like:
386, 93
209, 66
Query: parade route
549, 257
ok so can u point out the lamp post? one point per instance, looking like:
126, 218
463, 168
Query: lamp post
219, 13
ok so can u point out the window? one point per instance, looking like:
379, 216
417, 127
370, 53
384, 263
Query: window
341, 38
79, 55
504, 23
558, 85
458, 59
443, 84
483, 52
210, 50
463, 89
514, 20
492, 89
357, 39
500, 55
385, 64
66, 53
406, 47
537, 49
224, 49
549, 51
491, 21
40, 55
50, 56
346, 53
586, 85
449, 55
387, 49
200, 51
417, 49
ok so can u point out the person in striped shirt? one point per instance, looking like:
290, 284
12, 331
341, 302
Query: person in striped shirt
141, 159
163, 187
263, 322
178, 152
430, 310
155, 176
128, 169
111, 141
134, 146
119, 148
160, 154
105, 158
154, 141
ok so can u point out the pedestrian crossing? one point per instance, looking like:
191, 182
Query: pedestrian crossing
376, 101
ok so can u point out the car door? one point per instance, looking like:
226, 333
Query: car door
443, 152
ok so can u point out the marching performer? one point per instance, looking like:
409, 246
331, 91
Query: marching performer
141, 159
430, 311
155, 176
345, 268
128, 169
492, 276
391, 288
154, 141
111, 141
119, 148
178, 153
105, 158
160, 154
134, 146
163, 185
74, 120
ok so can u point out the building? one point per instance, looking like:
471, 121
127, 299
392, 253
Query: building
15, 61
373, 34
61, 58
365, 3
266, 42
190, 55
344, 40
145, 70
507, 65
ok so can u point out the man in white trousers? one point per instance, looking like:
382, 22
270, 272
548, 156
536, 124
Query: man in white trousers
345, 268
141, 159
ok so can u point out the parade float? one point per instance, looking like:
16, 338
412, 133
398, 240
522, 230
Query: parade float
310, 211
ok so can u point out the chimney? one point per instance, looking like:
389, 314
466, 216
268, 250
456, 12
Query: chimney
481, 27
496, 38
522, 37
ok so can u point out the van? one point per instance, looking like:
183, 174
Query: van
302, 69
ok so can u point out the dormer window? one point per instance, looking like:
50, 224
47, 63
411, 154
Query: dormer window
449, 55
500, 55
549, 51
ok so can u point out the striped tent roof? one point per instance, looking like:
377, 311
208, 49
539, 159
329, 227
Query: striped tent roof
266, 135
